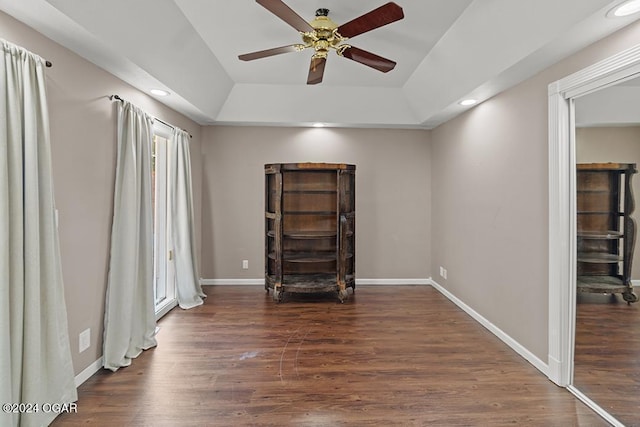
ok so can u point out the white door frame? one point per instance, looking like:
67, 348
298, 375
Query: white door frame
562, 204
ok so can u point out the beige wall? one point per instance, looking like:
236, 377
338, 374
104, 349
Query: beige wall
613, 144
392, 195
490, 201
83, 150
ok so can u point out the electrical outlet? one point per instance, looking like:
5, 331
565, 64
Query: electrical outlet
444, 271
245, 264
84, 340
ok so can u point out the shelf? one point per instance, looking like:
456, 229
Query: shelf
608, 235
306, 257
603, 284
309, 257
607, 167
599, 258
310, 283
323, 213
310, 191
600, 213
305, 234
310, 234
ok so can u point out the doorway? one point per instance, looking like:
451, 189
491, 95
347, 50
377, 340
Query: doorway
163, 253
562, 210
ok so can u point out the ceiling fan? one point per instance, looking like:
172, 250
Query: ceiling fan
322, 34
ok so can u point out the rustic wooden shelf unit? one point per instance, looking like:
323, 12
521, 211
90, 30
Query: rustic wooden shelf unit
309, 228
606, 231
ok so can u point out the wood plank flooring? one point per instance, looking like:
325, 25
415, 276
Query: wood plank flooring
388, 356
607, 354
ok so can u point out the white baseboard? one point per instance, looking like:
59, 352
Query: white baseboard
393, 282
231, 282
555, 372
515, 345
597, 408
385, 282
86, 374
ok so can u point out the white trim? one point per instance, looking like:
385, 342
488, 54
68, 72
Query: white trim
231, 282
562, 230
561, 221
601, 74
88, 372
595, 407
385, 282
167, 307
393, 282
515, 345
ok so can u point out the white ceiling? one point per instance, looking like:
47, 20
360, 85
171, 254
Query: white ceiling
446, 50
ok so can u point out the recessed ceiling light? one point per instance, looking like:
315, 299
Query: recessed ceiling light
318, 125
467, 102
159, 92
626, 8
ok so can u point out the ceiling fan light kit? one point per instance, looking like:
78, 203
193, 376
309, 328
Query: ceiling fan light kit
322, 35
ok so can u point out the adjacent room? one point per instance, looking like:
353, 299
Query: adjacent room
317, 212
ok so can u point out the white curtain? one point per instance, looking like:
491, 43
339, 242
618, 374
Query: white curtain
129, 321
188, 287
35, 357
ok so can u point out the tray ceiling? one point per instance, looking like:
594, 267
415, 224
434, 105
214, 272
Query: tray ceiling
445, 51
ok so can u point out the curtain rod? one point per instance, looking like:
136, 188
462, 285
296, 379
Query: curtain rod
116, 97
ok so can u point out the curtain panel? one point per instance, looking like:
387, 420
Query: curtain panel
188, 288
35, 356
129, 321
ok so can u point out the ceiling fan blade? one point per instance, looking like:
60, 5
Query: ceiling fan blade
383, 15
316, 70
287, 14
369, 59
269, 52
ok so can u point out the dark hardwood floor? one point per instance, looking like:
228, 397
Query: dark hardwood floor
388, 356
607, 354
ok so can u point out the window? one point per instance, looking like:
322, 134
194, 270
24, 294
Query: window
163, 259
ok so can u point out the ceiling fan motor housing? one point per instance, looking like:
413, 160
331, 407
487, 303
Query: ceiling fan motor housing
323, 37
